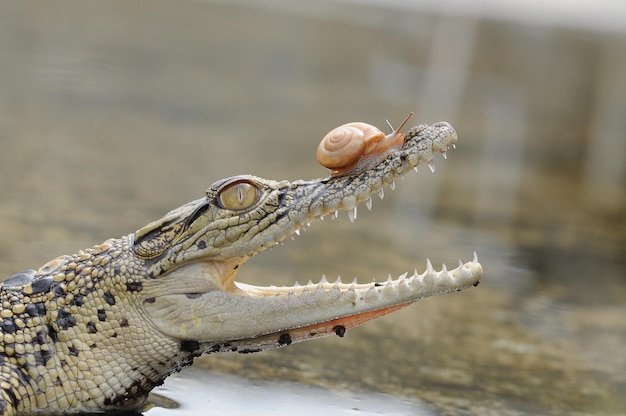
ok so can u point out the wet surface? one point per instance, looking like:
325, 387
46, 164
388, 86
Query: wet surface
270, 398
113, 113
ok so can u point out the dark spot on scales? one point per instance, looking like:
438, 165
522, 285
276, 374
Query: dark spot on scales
65, 319
41, 284
109, 298
23, 377
73, 351
40, 338
150, 300
91, 327
78, 300
102, 316
124, 322
52, 333
36, 309
201, 245
134, 286
8, 326
340, 330
12, 398
284, 339
58, 290
476, 284
42, 357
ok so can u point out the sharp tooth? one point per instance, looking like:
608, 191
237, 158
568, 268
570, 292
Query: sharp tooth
392, 185
352, 214
368, 203
445, 155
297, 232
335, 215
475, 258
444, 269
381, 193
415, 168
429, 266
431, 166
454, 146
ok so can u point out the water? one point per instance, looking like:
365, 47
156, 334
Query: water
112, 113
195, 391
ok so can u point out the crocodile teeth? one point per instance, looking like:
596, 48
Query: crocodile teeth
444, 280
352, 214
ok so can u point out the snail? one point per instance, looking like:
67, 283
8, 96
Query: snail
356, 146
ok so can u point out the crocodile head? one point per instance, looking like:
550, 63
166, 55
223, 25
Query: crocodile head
99, 329
192, 255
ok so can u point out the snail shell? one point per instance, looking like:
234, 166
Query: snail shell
355, 147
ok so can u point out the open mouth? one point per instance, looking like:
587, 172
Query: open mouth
225, 315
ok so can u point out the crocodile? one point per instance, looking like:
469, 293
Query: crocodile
98, 330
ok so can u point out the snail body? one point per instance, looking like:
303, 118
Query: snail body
354, 147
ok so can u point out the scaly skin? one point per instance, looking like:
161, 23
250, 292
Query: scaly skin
99, 329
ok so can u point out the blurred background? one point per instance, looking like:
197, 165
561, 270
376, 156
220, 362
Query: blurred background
114, 112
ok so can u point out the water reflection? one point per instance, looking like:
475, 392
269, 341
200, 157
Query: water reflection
195, 392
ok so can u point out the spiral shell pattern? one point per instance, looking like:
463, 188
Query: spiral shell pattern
343, 146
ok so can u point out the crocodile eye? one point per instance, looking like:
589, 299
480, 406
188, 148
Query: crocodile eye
239, 195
